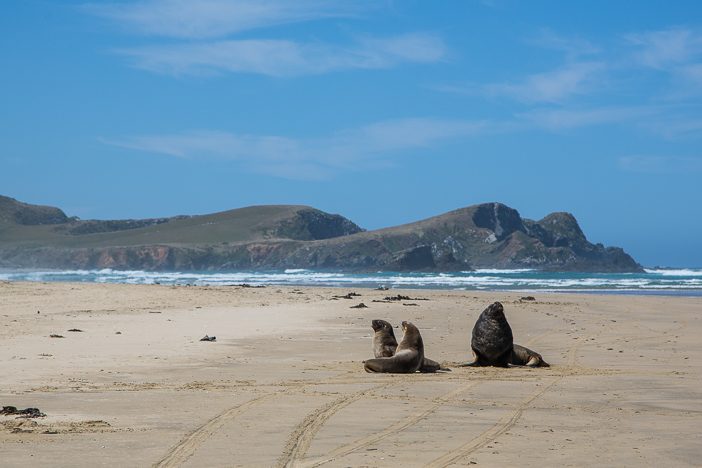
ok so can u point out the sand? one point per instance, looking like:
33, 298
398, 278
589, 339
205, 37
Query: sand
284, 384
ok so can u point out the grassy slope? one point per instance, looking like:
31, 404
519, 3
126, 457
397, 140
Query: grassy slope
240, 225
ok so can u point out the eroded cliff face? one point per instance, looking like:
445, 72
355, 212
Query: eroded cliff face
490, 235
311, 224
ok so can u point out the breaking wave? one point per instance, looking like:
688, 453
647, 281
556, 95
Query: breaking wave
682, 281
675, 272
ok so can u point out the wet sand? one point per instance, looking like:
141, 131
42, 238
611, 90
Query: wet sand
284, 384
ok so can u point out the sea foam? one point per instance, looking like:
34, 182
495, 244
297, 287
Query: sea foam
689, 280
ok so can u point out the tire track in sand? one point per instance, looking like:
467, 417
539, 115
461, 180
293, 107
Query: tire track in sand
191, 442
304, 433
505, 423
390, 430
502, 426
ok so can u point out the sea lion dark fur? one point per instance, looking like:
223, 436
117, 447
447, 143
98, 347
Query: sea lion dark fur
522, 356
385, 344
492, 342
384, 341
408, 357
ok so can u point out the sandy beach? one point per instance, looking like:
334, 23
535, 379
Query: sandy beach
284, 385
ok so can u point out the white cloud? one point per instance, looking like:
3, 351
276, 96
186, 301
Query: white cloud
198, 19
558, 119
286, 58
666, 48
313, 158
206, 46
660, 164
573, 47
553, 86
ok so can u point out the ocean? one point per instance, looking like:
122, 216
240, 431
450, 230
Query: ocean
657, 281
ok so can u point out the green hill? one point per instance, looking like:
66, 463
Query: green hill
489, 235
254, 223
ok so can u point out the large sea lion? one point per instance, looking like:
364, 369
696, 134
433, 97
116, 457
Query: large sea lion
492, 342
385, 344
408, 357
522, 356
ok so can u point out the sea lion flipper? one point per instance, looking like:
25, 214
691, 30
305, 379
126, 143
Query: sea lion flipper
537, 361
430, 366
401, 363
524, 356
475, 362
470, 364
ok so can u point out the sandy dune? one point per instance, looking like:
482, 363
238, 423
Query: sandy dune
283, 385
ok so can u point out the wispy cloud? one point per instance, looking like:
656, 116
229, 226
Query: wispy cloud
660, 164
205, 45
203, 19
286, 58
554, 87
560, 119
313, 158
667, 63
573, 47
665, 48
668, 121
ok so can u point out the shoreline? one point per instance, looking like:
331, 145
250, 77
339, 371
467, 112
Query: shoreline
284, 382
664, 282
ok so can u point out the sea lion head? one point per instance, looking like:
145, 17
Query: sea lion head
495, 311
412, 338
381, 325
408, 327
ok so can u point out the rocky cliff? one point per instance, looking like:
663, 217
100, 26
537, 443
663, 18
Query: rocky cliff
489, 235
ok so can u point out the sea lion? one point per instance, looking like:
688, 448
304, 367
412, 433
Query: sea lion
408, 357
492, 342
522, 356
384, 341
385, 344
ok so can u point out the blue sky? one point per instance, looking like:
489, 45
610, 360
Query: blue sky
385, 112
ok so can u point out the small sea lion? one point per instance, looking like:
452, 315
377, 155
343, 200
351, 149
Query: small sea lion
408, 357
492, 340
384, 341
522, 356
385, 344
